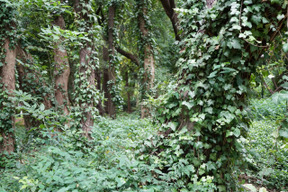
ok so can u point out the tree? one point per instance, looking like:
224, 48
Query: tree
62, 69
147, 56
204, 114
110, 106
7, 76
87, 66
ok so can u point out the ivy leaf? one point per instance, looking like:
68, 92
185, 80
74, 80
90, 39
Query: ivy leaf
250, 187
279, 17
248, 2
42, 107
262, 189
256, 19
285, 47
283, 133
235, 44
172, 126
237, 132
188, 105
213, 74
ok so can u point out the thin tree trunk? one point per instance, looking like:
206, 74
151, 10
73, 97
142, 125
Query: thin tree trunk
111, 70
62, 70
98, 77
149, 68
8, 80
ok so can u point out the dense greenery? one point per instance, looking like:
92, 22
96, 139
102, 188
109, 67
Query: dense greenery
143, 95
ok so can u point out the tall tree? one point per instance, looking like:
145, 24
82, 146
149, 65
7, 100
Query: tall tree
7, 77
110, 106
62, 69
147, 51
87, 71
207, 107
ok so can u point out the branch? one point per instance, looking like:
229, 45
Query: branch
169, 6
130, 56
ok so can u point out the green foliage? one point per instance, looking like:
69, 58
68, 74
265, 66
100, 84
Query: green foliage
267, 156
105, 164
266, 109
7, 108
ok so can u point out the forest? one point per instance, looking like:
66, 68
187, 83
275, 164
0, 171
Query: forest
143, 95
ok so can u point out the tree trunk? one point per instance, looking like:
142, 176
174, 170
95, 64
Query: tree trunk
8, 80
149, 68
88, 121
61, 71
98, 77
111, 70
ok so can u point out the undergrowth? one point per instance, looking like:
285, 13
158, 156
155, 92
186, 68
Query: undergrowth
116, 160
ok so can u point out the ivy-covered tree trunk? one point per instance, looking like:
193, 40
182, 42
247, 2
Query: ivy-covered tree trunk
87, 121
147, 52
7, 84
61, 71
204, 117
87, 85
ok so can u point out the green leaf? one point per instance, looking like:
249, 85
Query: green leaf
213, 74
237, 132
262, 189
188, 105
236, 44
250, 187
172, 125
283, 133
42, 107
285, 47
256, 19
279, 17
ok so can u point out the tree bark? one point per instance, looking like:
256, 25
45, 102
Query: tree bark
8, 80
61, 71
